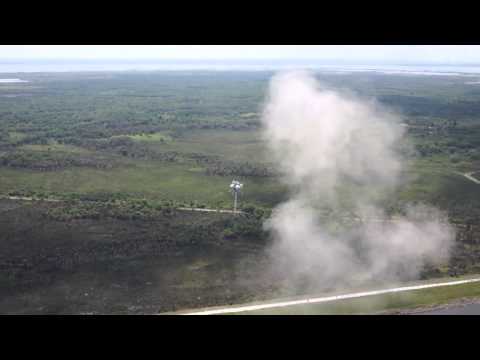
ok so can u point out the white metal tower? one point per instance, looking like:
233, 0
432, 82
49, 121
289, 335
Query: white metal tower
235, 188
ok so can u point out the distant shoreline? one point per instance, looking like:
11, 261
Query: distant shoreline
29, 66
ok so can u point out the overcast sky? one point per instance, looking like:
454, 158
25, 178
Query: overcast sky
350, 53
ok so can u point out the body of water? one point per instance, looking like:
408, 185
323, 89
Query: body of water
9, 81
29, 66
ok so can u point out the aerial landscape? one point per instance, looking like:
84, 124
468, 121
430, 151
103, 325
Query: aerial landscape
150, 188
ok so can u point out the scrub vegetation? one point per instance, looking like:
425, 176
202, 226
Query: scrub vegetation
123, 151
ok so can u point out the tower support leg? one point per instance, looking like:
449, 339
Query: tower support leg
235, 203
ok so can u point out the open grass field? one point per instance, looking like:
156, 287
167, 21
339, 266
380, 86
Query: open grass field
229, 145
430, 181
183, 183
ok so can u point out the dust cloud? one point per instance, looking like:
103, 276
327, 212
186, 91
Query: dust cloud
340, 154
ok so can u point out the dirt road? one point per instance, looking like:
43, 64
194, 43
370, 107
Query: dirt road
26, 198
246, 308
211, 210
471, 178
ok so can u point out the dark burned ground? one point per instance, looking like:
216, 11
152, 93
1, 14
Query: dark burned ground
166, 262
122, 266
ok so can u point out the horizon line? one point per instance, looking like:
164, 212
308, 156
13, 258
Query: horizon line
246, 60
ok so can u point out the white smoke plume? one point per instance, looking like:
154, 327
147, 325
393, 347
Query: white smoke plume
333, 150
